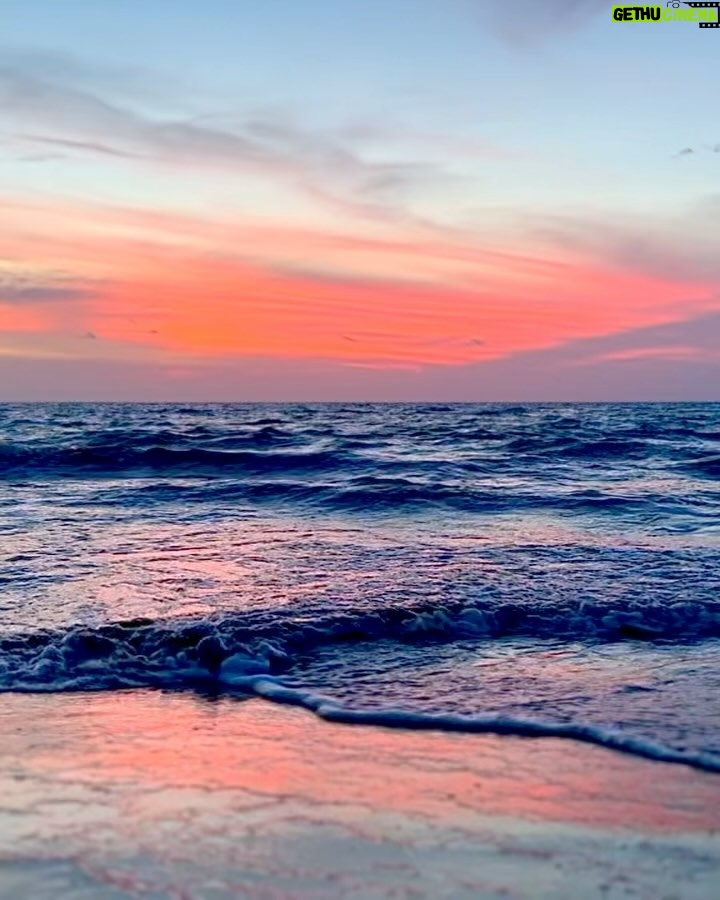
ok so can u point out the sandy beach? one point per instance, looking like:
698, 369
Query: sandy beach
145, 794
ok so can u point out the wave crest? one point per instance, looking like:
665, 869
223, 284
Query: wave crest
144, 653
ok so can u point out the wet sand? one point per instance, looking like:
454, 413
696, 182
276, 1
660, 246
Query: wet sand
144, 794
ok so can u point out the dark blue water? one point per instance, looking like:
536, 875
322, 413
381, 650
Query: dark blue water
540, 569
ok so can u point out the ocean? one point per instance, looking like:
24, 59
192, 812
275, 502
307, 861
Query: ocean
541, 569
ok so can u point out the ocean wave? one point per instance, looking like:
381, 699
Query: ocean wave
367, 493
564, 446
146, 653
706, 466
452, 447
116, 457
253, 654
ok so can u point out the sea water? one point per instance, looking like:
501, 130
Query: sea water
523, 569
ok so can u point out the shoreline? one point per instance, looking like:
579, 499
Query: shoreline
142, 793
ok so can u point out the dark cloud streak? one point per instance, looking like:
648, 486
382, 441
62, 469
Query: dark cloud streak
19, 290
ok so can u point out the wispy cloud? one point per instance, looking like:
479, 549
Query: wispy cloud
81, 146
44, 104
669, 353
681, 250
526, 21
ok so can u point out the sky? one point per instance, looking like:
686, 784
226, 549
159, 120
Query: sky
340, 200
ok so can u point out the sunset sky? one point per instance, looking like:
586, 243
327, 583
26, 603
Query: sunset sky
346, 200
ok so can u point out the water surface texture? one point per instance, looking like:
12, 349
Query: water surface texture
539, 569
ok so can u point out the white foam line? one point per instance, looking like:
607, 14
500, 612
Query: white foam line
274, 690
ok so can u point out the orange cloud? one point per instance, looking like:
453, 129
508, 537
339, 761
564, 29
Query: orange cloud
182, 286
19, 320
643, 353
